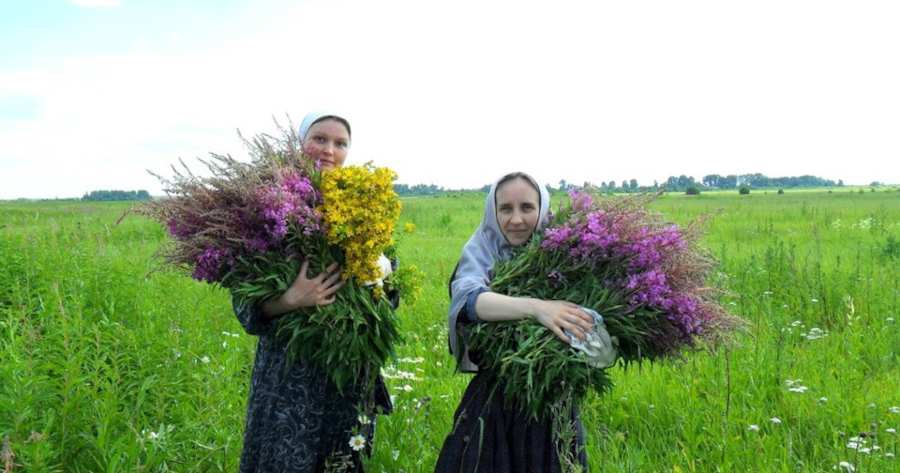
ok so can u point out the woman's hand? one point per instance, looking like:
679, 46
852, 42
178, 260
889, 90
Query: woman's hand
561, 315
306, 292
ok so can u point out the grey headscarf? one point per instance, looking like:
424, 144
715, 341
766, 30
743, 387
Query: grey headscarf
486, 246
312, 118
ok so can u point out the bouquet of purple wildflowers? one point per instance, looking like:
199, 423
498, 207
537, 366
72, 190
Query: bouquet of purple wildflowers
249, 226
646, 278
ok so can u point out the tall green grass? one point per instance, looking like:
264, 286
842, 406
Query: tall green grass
109, 365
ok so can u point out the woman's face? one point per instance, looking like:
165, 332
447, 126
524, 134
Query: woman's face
518, 208
327, 142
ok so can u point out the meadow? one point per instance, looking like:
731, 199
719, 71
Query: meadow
107, 364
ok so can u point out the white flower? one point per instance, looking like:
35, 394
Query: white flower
889, 454
854, 445
407, 388
364, 419
814, 300
894, 410
205, 359
767, 293
417, 359
891, 430
823, 399
357, 442
815, 333
395, 454
889, 319
775, 420
798, 389
753, 428
846, 466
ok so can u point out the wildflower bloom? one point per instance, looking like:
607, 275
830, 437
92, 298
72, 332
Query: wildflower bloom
357, 442
645, 278
360, 208
846, 466
249, 227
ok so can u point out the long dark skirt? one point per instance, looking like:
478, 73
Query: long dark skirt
297, 421
487, 437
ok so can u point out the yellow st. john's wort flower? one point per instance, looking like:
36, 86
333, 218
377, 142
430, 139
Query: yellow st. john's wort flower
360, 209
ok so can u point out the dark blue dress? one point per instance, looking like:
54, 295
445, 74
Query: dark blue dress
298, 422
490, 437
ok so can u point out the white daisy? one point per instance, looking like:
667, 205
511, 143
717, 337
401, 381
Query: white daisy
846, 466
357, 442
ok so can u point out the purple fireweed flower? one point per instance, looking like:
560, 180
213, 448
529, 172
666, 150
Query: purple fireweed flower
581, 201
257, 244
179, 229
211, 263
556, 237
649, 288
299, 186
685, 312
279, 208
649, 249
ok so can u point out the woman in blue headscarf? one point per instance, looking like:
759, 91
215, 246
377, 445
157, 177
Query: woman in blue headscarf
296, 420
487, 436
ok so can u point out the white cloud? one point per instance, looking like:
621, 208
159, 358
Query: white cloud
459, 93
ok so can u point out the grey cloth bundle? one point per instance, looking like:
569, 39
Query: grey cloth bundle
598, 346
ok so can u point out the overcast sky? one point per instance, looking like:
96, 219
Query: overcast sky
95, 92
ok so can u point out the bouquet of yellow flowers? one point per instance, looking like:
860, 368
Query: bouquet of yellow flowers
249, 227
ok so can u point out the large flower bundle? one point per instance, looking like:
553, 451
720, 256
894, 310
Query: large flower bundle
646, 278
249, 226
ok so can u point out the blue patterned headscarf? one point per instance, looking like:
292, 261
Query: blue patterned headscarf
486, 246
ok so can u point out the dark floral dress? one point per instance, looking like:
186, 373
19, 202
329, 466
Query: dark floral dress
297, 422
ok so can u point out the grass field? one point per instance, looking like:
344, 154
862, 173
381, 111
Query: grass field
107, 366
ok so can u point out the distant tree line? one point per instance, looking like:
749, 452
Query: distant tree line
418, 189
116, 195
673, 183
710, 181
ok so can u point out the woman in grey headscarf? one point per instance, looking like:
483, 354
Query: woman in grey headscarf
296, 420
487, 436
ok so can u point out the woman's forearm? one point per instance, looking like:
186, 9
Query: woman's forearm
493, 307
275, 307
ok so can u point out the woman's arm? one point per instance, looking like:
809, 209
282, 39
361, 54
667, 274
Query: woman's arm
555, 315
305, 292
